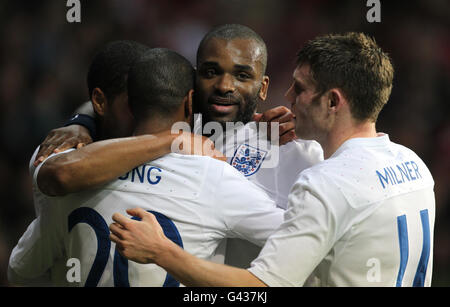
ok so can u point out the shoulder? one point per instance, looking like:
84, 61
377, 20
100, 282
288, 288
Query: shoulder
34, 170
308, 151
318, 177
31, 167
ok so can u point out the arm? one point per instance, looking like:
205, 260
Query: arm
189, 270
103, 161
288, 258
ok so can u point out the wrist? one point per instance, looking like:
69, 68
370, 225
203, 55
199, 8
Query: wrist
83, 120
167, 252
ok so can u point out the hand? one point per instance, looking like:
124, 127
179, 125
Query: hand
61, 139
193, 144
284, 117
140, 241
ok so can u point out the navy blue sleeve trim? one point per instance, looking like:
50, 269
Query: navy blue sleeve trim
86, 121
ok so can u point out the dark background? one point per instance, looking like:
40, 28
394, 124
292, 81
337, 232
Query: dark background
44, 61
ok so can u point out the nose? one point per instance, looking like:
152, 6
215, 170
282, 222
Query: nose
225, 84
289, 96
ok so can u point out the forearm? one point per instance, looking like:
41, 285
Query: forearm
100, 162
195, 272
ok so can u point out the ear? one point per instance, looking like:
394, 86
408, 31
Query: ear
336, 100
264, 88
99, 101
188, 104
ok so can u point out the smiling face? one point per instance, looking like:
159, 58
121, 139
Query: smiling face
309, 107
230, 80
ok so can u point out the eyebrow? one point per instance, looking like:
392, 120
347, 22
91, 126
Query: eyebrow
210, 64
237, 66
244, 67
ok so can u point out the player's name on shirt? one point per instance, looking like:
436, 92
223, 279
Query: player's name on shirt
398, 173
146, 174
174, 174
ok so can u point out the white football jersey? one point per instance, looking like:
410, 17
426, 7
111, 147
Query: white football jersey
363, 217
41, 204
273, 168
197, 200
39, 198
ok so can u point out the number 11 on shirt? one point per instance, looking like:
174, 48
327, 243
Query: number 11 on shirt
419, 278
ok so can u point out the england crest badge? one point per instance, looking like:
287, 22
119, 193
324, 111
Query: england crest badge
248, 159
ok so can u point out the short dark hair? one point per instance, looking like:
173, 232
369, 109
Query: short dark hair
158, 82
354, 63
234, 31
109, 68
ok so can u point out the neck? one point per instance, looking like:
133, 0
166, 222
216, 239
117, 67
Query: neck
154, 126
334, 139
102, 130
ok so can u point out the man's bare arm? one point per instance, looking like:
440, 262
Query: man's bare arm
144, 242
103, 161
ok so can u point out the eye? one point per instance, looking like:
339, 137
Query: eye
298, 89
209, 73
243, 75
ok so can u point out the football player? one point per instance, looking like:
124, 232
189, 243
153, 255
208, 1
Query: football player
230, 81
362, 217
198, 200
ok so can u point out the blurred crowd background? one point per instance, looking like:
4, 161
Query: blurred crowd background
44, 61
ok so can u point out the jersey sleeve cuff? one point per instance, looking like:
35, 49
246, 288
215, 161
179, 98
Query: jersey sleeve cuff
269, 278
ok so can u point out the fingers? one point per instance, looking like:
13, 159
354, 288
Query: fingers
120, 219
257, 117
287, 137
42, 155
276, 114
38, 160
69, 143
61, 139
46, 148
284, 118
139, 213
115, 239
54, 146
117, 231
286, 127
122, 224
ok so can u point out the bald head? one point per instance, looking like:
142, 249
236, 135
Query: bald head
229, 32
